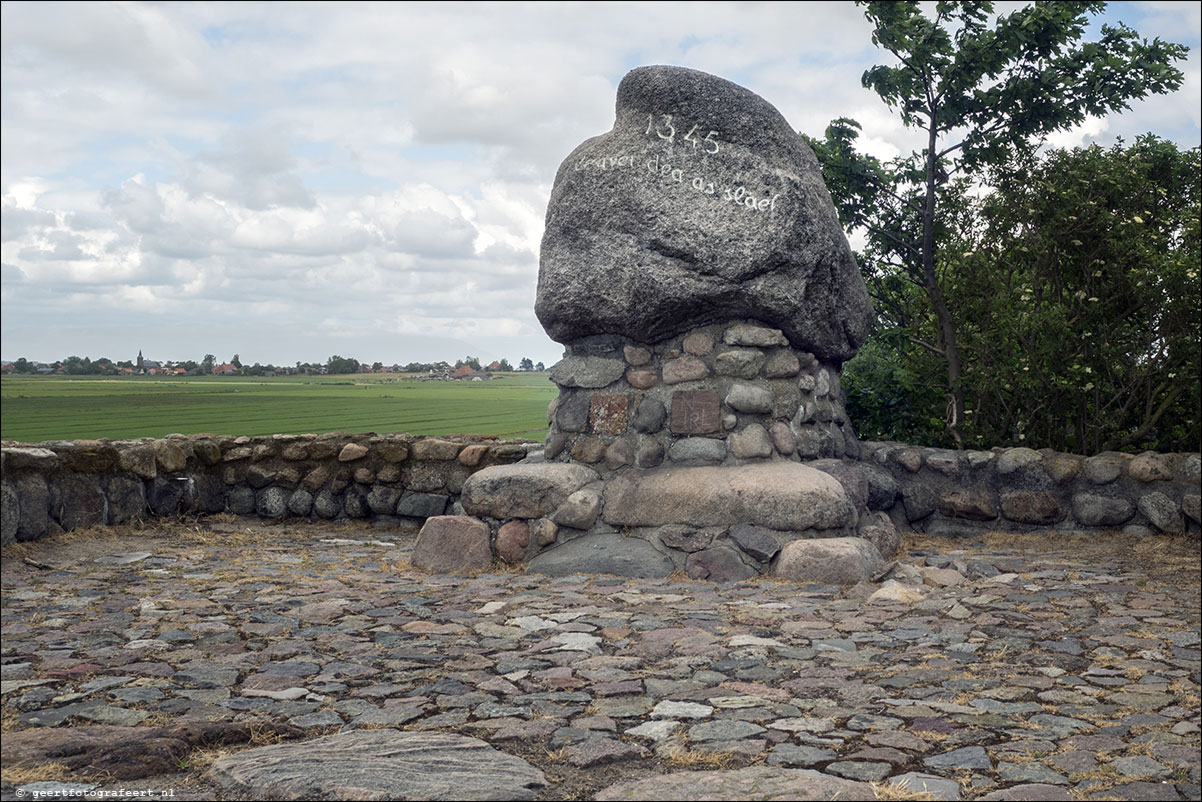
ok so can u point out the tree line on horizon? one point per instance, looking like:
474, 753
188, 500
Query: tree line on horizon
335, 365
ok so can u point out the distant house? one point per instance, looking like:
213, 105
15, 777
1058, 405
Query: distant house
465, 373
7, 367
225, 370
494, 365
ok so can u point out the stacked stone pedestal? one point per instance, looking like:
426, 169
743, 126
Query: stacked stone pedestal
730, 394
684, 455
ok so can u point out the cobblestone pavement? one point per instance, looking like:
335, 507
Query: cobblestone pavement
1027, 668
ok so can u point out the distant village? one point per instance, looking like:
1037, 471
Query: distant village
466, 369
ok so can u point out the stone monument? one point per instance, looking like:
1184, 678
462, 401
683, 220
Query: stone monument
694, 269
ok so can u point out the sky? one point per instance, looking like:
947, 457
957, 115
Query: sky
292, 181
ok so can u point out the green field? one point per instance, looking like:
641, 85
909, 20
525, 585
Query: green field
38, 408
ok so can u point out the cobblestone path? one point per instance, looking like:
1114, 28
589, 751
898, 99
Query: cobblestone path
1028, 668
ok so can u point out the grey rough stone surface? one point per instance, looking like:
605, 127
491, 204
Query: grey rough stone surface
878, 529
572, 412
271, 502
587, 371
1031, 507
781, 363
450, 544
752, 398
1104, 468
937, 787
1151, 467
79, 502
649, 416
1163, 512
697, 449
242, 501
740, 362
1094, 510
718, 564
383, 499
968, 757
300, 502
379, 764
782, 438
650, 454
684, 369
579, 510
1191, 505
753, 784
523, 490
651, 235
1015, 459
829, 561
776, 495
602, 554
10, 514
755, 541
421, 505
882, 487
751, 443
325, 505
126, 497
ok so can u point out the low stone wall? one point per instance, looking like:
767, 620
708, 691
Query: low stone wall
946, 492
62, 485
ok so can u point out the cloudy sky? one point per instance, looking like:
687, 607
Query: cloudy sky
292, 181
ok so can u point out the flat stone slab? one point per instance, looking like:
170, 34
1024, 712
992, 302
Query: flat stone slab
379, 764
777, 495
755, 783
603, 554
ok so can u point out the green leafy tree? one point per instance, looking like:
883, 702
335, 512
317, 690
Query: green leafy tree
1078, 294
504, 365
525, 364
208, 363
471, 361
337, 364
984, 92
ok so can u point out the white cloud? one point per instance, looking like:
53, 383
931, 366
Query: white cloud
272, 179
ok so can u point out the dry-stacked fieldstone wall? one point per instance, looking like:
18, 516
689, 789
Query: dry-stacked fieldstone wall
946, 492
62, 485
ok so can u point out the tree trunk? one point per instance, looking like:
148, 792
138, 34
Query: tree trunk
947, 327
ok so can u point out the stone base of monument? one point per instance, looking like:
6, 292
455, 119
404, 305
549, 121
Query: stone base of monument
685, 455
721, 523
726, 393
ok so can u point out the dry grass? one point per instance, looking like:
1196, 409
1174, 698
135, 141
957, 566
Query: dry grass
40, 772
896, 792
695, 759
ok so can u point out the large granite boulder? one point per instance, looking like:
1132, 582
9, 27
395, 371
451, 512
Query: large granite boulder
701, 205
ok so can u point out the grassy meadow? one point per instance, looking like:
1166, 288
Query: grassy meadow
38, 408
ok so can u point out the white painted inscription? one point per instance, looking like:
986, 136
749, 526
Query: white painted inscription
665, 128
667, 131
605, 163
739, 195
